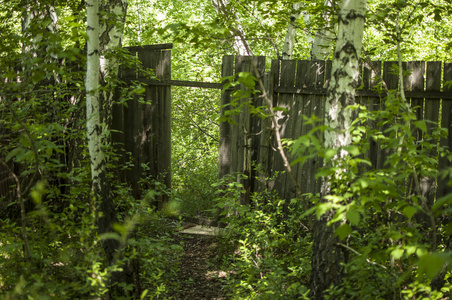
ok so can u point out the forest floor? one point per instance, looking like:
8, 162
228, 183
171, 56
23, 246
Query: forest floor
199, 276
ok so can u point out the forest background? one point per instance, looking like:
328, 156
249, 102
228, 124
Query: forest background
52, 243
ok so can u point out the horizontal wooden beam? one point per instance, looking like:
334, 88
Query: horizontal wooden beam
364, 93
186, 83
292, 90
150, 47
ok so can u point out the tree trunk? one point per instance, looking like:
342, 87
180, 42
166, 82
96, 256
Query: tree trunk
101, 187
96, 130
327, 256
291, 32
323, 40
241, 45
289, 41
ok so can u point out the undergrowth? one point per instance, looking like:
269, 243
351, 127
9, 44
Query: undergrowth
265, 244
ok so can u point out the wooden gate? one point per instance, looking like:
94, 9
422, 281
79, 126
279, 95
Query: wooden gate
144, 127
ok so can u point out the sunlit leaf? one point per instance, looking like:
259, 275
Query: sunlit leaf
409, 211
421, 125
432, 263
397, 253
445, 200
352, 150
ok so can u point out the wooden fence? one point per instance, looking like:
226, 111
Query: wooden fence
300, 88
144, 128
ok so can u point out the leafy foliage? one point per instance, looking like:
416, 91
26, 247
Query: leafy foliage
270, 251
384, 217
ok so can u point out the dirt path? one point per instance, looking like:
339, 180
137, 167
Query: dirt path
197, 278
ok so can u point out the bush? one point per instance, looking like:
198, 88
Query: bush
271, 250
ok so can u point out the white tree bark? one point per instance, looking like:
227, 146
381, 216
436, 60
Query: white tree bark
323, 40
110, 32
289, 41
97, 35
345, 72
93, 125
241, 45
327, 256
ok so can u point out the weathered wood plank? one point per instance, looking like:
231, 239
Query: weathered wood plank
163, 70
150, 47
285, 102
446, 122
371, 80
359, 93
128, 72
224, 151
300, 108
267, 157
318, 109
256, 125
390, 81
433, 83
417, 88
431, 113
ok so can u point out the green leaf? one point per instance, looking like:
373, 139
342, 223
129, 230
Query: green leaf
421, 125
139, 90
409, 211
330, 153
445, 200
323, 208
308, 212
448, 228
13, 153
279, 108
437, 16
397, 253
119, 228
353, 216
343, 231
432, 263
110, 235
363, 182
352, 150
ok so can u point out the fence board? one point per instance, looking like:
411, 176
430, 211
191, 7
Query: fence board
446, 122
265, 157
301, 107
225, 127
164, 72
371, 80
431, 113
417, 85
300, 88
146, 126
256, 125
318, 109
433, 83
243, 64
285, 101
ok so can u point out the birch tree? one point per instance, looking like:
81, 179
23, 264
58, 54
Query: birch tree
327, 256
323, 40
102, 37
100, 184
241, 45
289, 41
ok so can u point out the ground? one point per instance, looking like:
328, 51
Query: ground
199, 277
